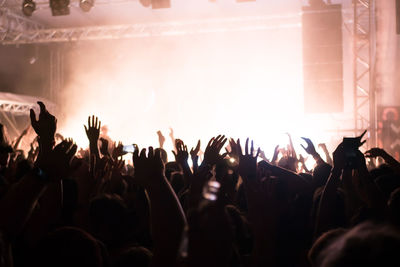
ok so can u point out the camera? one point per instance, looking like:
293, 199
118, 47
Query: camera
350, 147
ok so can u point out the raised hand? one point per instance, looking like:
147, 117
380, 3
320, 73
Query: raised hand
181, 154
45, 127
292, 151
118, 150
247, 161
148, 168
310, 149
104, 147
339, 158
379, 152
276, 154
262, 155
55, 164
194, 152
360, 143
375, 152
327, 155
171, 135
93, 129
214, 146
233, 153
161, 139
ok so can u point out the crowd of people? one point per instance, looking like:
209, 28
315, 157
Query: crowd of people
63, 207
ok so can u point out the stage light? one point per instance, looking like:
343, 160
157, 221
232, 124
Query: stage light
242, 1
59, 7
28, 7
156, 4
86, 5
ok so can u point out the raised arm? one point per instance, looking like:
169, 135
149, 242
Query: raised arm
93, 133
19, 139
181, 157
167, 217
379, 152
310, 149
324, 214
194, 155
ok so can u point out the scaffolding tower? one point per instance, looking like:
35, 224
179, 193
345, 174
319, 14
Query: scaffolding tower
364, 49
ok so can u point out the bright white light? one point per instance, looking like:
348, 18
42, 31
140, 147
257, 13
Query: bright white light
246, 84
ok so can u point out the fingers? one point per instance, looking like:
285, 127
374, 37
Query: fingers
209, 142
151, 153
96, 122
246, 147
42, 107
157, 155
72, 151
363, 142
135, 153
197, 146
362, 135
303, 147
33, 117
143, 153
239, 148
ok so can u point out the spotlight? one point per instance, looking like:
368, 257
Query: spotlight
28, 7
242, 1
59, 7
86, 5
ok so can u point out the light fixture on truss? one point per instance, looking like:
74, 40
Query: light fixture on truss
28, 7
59, 7
86, 5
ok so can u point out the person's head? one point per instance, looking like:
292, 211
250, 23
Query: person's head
163, 154
134, 256
365, 245
322, 243
177, 182
66, 247
23, 167
387, 183
382, 169
108, 217
289, 163
170, 168
321, 174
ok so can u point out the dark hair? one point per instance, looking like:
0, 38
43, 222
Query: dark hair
66, 247
365, 245
108, 216
134, 257
323, 242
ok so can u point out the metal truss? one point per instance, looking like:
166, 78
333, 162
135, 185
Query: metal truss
251, 23
12, 26
16, 108
44, 4
9, 110
364, 43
